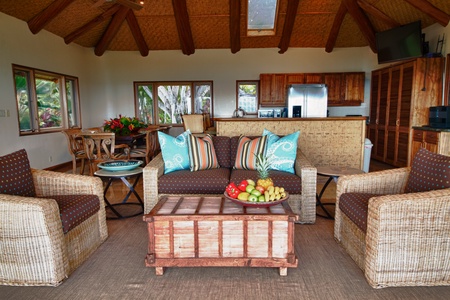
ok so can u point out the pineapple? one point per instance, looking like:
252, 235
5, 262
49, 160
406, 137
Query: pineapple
262, 166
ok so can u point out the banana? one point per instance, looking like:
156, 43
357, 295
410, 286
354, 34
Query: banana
277, 197
283, 195
271, 189
277, 190
272, 197
266, 196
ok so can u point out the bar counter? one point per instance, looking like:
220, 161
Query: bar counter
333, 141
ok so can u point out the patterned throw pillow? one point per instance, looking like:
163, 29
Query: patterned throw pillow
248, 150
15, 175
282, 151
202, 155
429, 171
174, 151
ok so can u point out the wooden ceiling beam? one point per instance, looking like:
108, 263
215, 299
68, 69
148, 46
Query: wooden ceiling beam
362, 21
431, 10
378, 14
334, 32
235, 25
291, 13
137, 33
183, 26
38, 22
111, 30
91, 24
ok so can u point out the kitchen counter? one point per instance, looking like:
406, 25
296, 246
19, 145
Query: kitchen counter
427, 128
332, 141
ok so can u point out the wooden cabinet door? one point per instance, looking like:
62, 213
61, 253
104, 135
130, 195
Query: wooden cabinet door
354, 88
313, 77
272, 89
295, 78
279, 90
334, 82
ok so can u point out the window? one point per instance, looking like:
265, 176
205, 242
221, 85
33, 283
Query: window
46, 101
247, 96
261, 17
174, 100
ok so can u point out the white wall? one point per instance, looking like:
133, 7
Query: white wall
106, 82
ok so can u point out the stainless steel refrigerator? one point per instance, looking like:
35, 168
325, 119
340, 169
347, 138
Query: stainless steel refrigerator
307, 100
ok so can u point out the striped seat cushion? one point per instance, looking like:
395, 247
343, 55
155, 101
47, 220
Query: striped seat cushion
75, 209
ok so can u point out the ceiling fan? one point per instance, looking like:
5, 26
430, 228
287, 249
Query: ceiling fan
128, 3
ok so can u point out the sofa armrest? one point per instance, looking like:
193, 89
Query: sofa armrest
406, 234
32, 225
49, 183
306, 208
152, 171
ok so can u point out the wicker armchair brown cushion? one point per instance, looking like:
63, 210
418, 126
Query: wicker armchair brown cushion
37, 247
407, 236
15, 174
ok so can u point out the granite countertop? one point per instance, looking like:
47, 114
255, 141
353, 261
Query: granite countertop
428, 128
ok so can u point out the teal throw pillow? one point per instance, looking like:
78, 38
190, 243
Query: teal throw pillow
282, 151
175, 151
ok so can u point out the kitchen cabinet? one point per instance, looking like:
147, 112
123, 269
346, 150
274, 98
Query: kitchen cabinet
344, 88
436, 141
401, 95
272, 89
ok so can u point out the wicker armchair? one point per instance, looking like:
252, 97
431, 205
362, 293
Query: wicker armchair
407, 241
33, 248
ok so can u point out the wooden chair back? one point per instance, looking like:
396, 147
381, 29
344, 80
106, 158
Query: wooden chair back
101, 147
194, 122
76, 147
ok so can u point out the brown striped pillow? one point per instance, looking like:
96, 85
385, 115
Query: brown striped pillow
248, 150
202, 155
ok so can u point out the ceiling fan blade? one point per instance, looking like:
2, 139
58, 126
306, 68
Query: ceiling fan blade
128, 3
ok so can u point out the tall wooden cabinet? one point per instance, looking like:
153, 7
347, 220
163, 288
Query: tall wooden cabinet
272, 89
400, 97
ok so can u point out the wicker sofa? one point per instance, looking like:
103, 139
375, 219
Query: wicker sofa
301, 185
397, 238
43, 238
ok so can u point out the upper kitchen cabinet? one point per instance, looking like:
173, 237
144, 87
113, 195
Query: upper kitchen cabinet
344, 88
272, 89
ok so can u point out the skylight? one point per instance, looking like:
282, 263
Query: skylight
261, 17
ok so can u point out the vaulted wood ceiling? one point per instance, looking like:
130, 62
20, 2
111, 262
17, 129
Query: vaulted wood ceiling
187, 25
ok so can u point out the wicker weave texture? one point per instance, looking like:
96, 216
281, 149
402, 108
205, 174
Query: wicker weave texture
327, 142
407, 242
33, 248
302, 204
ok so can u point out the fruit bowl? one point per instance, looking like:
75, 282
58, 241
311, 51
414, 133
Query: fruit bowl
256, 204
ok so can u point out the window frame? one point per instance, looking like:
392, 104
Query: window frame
67, 114
155, 108
248, 82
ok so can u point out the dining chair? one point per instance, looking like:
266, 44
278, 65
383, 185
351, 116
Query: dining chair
76, 148
101, 147
207, 124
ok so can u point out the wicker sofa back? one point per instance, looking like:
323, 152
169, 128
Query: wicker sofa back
301, 185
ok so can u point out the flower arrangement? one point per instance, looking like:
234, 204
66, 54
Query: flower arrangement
123, 125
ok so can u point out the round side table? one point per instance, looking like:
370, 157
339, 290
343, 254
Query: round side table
109, 177
333, 173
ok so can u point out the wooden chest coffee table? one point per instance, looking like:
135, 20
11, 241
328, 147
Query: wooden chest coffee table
212, 231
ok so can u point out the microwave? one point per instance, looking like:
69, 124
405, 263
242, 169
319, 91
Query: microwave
265, 113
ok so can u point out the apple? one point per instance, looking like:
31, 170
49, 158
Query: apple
251, 182
243, 196
260, 188
249, 188
262, 198
256, 192
252, 198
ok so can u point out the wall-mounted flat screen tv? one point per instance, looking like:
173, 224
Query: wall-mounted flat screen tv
399, 43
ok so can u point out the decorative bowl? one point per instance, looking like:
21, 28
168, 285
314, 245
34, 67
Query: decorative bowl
120, 165
256, 204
